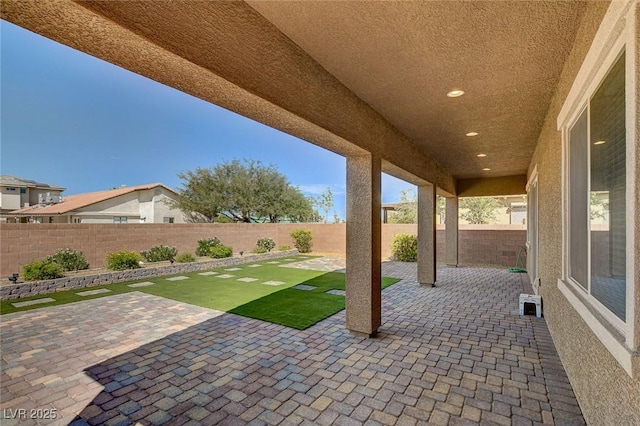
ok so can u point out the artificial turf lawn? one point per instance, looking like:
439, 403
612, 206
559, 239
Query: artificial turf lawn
301, 309
278, 304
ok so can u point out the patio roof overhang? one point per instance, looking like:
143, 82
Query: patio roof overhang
352, 77
368, 80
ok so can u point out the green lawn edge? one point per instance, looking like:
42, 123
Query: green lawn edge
280, 304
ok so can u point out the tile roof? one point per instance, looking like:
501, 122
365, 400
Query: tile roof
78, 201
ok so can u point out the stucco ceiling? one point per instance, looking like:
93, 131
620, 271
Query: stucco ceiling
348, 76
402, 58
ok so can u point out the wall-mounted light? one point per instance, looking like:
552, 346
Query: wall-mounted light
471, 134
600, 142
481, 155
455, 93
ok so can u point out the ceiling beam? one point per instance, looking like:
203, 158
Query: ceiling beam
490, 187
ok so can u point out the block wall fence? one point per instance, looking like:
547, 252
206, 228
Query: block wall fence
22, 243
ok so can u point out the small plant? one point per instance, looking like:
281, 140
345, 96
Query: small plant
185, 258
284, 247
258, 250
219, 251
405, 248
41, 270
121, 260
266, 243
205, 246
302, 240
69, 260
159, 253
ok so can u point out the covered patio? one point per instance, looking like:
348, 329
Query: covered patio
455, 354
461, 99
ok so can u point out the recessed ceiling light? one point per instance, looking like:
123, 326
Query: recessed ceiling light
472, 134
599, 142
486, 169
455, 93
482, 155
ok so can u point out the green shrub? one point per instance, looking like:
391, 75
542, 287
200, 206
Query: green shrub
266, 243
205, 246
405, 248
220, 251
121, 260
284, 247
302, 240
258, 250
69, 260
185, 258
41, 270
159, 253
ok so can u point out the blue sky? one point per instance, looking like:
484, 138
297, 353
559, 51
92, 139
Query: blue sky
75, 121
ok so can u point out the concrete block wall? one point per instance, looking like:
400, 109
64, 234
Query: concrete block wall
23, 243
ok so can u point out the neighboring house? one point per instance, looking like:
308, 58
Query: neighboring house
18, 193
512, 211
133, 204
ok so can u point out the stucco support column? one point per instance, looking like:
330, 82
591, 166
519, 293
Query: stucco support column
364, 273
427, 234
451, 233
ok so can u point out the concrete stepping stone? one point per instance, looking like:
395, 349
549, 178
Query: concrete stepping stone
33, 302
142, 284
178, 278
273, 263
92, 292
233, 269
304, 287
273, 282
337, 292
255, 266
290, 260
225, 276
208, 273
247, 280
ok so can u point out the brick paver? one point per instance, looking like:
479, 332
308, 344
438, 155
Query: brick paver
454, 354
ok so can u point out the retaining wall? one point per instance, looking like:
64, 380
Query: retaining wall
26, 289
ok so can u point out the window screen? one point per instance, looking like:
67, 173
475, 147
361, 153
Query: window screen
608, 187
578, 201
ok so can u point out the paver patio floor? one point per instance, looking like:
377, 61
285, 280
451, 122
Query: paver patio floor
454, 354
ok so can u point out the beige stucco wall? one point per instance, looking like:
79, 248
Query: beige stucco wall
148, 204
161, 209
606, 393
10, 199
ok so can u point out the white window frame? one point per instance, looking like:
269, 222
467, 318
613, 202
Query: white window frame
617, 33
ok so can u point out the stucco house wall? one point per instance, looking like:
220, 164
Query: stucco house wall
141, 206
10, 199
605, 391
